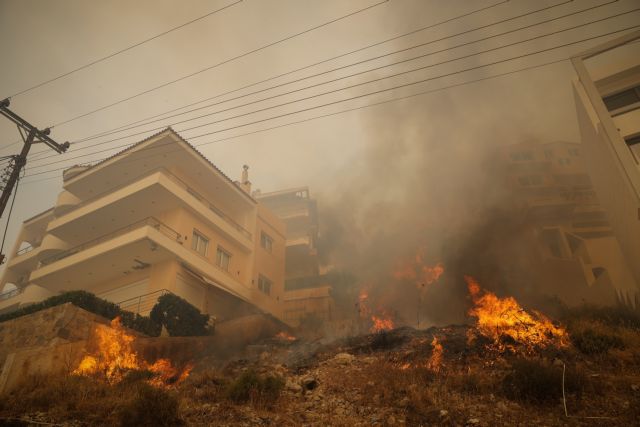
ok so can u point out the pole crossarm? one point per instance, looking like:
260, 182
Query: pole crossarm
26, 128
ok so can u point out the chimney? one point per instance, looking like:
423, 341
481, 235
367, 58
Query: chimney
245, 184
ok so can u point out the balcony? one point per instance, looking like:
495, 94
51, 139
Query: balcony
152, 222
150, 194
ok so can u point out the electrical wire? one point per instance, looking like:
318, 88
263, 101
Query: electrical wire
124, 128
325, 93
385, 90
315, 64
226, 61
128, 48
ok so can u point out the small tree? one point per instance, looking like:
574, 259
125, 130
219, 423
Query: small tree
179, 317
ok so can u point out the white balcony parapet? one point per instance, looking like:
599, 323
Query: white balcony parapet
150, 221
213, 208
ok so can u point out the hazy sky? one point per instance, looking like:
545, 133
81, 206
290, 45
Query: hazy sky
43, 39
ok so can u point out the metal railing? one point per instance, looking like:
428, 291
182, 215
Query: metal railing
143, 303
182, 184
150, 221
25, 250
10, 294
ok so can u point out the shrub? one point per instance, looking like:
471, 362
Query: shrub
150, 407
618, 316
591, 341
535, 382
179, 317
251, 387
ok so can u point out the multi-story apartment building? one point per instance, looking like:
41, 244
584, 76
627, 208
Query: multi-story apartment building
579, 257
306, 291
607, 94
157, 217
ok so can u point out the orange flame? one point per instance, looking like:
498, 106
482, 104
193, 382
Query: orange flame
285, 336
435, 361
381, 323
115, 357
505, 322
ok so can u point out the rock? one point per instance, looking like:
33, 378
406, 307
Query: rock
391, 420
473, 421
443, 413
635, 387
309, 383
502, 407
404, 402
292, 386
344, 358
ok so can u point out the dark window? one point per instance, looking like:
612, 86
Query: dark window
222, 259
264, 284
266, 242
634, 145
622, 99
199, 243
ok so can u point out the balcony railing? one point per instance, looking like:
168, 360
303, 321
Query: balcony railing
142, 303
25, 250
152, 222
10, 294
182, 184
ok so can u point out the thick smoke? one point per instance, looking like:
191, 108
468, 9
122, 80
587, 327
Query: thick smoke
429, 182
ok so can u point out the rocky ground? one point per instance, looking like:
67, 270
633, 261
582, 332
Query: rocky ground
382, 379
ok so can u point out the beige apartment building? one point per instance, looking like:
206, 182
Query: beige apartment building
578, 256
157, 217
306, 291
607, 94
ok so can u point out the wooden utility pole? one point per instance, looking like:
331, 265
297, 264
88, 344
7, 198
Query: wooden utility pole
30, 135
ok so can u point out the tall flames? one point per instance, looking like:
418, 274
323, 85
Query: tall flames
381, 321
507, 324
115, 357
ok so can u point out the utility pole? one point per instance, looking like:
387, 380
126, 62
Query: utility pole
30, 135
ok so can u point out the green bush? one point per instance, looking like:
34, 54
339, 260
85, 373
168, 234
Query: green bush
255, 388
589, 341
151, 407
179, 317
535, 382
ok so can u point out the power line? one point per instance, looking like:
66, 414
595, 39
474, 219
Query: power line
313, 65
335, 90
324, 115
372, 93
122, 129
118, 52
226, 61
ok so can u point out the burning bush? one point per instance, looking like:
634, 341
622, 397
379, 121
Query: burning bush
254, 388
115, 359
505, 322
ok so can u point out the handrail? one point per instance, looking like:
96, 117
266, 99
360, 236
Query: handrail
150, 221
25, 250
10, 294
181, 183
140, 304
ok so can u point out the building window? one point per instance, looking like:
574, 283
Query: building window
522, 155
548, 154
199, 243
266, 242
622, 99
574, 152
222, 259
264, 284
530, 180
634, 145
